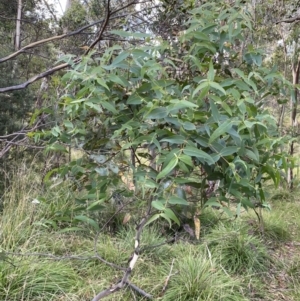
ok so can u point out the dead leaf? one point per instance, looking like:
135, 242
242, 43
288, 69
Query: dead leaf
197, 227
126, 218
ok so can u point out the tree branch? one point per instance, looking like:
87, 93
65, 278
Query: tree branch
62, 66
35, 78
290, 20
104, 25
131, 263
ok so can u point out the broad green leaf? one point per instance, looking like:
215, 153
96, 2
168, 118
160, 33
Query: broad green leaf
150, 184
121, 57
169, 213
213, 201
188, 126
246, 203
251, 155
195, 152
186, 159
134, 99
217, 87
102, 83
166, 217
170, 166
109, 106
157, 113
119, 80
158, 205
229, 150
221, 130
177, 105
56, 147
153, 218
204, 84
174, 200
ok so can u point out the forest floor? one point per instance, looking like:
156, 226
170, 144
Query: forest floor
232, 260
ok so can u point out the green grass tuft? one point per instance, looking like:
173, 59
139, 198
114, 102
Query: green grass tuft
236, 250
199, 278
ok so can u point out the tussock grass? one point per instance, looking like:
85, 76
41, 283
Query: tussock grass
236, 250
200, 278
232, 260
36, 281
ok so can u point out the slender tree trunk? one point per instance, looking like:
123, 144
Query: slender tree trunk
294, 123
18, 26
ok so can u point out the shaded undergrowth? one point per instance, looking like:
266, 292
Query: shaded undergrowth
232, 260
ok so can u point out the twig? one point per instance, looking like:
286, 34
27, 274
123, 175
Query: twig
132, 261
35, 78
167, 279
104, 25
137, 289
53, 257
290, 20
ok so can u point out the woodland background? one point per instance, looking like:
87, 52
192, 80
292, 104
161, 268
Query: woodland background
149, 150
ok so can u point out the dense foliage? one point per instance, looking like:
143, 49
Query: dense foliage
175, 114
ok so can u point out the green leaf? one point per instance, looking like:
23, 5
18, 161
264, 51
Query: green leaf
87, 220
174, 200
214, 111
157, 113
158, 205
166, 217
217, 87
121, 57
195, 152
153, 218
186, 159
150, 184
229, 150
108, 106
211, 72
212, 202
221, 130
251, 155
177, 105
246, 203
170, 214
119, 80
56, 147
134, 99
188, 126
203, 84
102, 83
170, 166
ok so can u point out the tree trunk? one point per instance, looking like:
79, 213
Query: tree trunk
294, 122
18, 26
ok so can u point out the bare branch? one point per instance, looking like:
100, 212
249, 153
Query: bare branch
168, 278
35, 78
290, 20
104, 25
41, 42
132, 260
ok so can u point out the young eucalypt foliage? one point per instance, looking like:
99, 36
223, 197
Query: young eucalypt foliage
172, 115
